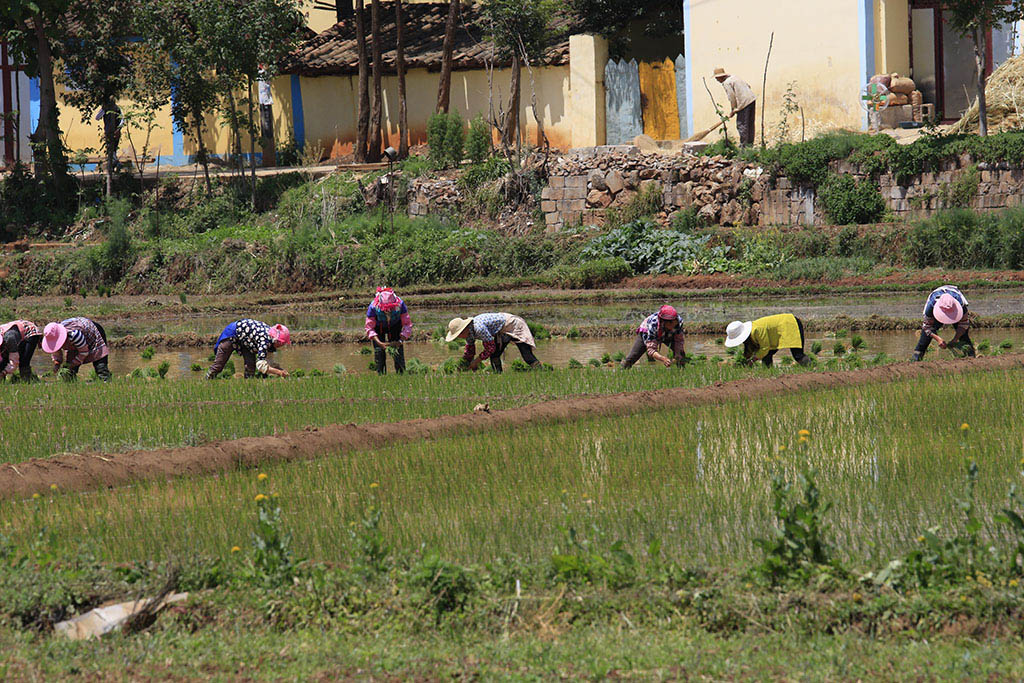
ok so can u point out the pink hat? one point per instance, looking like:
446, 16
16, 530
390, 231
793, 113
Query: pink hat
947, 310
54, 335
386, 299
667, 313
281, 334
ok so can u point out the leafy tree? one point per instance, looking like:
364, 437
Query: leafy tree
97, 65
363, 97
612, 18
974, 19
31, 27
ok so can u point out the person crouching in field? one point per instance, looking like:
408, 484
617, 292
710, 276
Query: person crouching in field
496, 331
388, 325
946, 305
764, 336
75, 342
254, 340
663, 327
18, 342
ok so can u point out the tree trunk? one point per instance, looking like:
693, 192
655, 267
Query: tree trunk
363, 115
47, 133
197, 118
377, 110
252, 143
980, 52
111, 125
267, 135
403, 114
444, 86
510, 135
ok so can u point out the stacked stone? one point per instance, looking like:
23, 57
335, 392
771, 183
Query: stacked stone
433, 196
585, 183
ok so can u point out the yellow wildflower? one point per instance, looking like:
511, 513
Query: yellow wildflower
261, 476
259, 497
963, 598
804, 432
53, 487
235, 549
964, 427
1014, 583
857, 597
803, 439
374, 485
35, 496
920, 539
782, 448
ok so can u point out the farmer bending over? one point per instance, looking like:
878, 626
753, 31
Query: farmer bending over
18, 341
388, 325
947, 305
74, 342
764, 336
254, 340
496, 331
663, 327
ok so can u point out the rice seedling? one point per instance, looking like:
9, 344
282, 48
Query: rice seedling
839, 348
698, 479
148, 353
857, 342
816, 348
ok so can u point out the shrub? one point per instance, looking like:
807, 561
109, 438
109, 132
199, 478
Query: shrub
483, 172
117, 249
647, 248
478, 142
848, 200
445, 138
148, 353
798, 542
590, 273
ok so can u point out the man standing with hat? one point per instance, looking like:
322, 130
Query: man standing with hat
743, 102
946, 305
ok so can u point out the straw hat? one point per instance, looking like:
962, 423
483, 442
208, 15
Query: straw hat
737, 333
720, 73
947, 310
455, 328
54, 336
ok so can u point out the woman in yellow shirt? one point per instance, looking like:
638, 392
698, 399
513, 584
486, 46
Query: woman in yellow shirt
761, 338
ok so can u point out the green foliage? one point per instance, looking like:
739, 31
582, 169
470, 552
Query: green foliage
339, 369
485, 171
644, 205
414, 366
839, 348
478, 142
959, 238
448, 587
575, 364
371, 549
848, 200
148, 353
117, 249
648, 248
445, 138
272, 563
162, 369
857, 342
962, 191
797, 546
589, 274
539, 331
28, 205
196, 367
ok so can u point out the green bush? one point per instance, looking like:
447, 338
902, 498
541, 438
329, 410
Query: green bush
478, 142
959, 238
445, 138
848, 200
590, 273
483, 172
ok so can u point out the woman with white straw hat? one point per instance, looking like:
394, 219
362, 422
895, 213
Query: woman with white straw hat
496, 331
74, 342
761, 338
946, 305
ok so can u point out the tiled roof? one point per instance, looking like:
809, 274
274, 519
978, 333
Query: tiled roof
334, 52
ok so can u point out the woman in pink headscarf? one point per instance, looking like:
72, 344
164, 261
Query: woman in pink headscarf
388, 325
18, 342
663, 327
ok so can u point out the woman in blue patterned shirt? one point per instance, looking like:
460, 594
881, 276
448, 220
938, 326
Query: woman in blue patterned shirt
254, 340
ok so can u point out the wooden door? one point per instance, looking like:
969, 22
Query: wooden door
658, 99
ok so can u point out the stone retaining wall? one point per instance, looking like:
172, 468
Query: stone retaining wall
585, 183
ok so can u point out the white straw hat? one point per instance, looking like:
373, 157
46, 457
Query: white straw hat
737, 333
455, 328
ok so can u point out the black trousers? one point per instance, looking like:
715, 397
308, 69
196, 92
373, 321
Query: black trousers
26, 349
798, 354
525, 350
745, 124
389, 333
224, 351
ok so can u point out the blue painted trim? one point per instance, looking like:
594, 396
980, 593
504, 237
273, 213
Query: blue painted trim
688, 56
33, 104
298, 119
866, 25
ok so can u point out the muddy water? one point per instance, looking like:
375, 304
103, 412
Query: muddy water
556, 352
567, 315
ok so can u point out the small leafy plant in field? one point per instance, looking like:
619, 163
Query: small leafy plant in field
370, 548
1006, 345
414, 366
816, 348
272, 563
574, 364
195, 367
594, 362
857, 342
162, 369
839, 348
339, 369
148, 353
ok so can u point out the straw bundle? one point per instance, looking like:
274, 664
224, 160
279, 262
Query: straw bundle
1004, 95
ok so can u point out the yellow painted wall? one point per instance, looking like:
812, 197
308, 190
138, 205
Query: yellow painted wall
817, 45
80, 135
892, 37
329, 105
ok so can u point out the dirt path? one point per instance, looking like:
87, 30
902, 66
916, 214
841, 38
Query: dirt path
82, 472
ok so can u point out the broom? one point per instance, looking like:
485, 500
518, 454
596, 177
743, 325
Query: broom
702, 134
